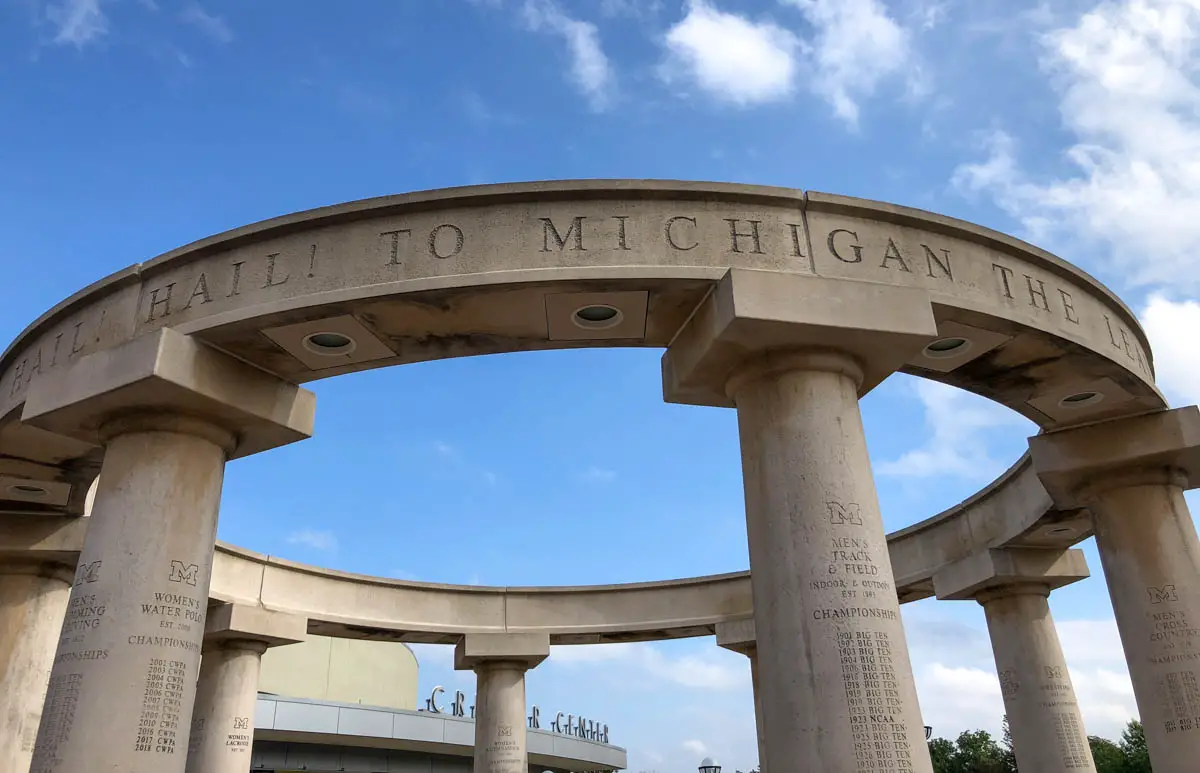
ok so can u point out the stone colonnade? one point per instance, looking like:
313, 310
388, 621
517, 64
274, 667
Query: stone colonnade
833, 682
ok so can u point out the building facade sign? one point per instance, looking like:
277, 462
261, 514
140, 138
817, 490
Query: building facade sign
564, 724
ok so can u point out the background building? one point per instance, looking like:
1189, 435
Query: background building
350, 706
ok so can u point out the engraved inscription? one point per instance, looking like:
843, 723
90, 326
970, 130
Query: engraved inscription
844, 513
87, 573
873, 698
1180, 695
504, 754
1164, 593
162, 703
58, 717
239, 741
181, 572
1069, 732
1009, 686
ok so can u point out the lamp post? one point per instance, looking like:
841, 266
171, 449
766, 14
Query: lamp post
709, 765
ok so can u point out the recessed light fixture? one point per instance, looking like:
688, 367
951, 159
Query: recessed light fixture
597, 317
1080, 399
27, 490
948, 347
329, 344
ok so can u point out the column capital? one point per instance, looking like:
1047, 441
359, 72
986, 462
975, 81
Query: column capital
166, 373
238, 624
1078, 463
475, 649
737, 635
989, 573
750, 313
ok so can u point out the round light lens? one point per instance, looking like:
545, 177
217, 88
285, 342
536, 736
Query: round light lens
329, 344
947, 347
25, 490
597, 317
1080, 399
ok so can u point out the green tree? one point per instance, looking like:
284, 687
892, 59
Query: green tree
1108, 756
1010, 757
977, 752
1133, 745
941, 751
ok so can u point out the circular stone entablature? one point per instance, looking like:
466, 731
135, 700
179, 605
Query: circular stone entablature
553, 265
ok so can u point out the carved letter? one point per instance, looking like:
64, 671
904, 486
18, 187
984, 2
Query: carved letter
1159, 595
86, 573
931, 260
576, 230
849, 513
892, 252
458, 241
796, 251
671, 238
237, 278
184, 573
621, 243
857, 248
1005, 273
271, 272
1068, 308
201, 291
734, 235
395, 259
1038, 293
155, 302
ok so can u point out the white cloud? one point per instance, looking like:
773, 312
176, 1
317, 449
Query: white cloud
730, 57
211, 25
1126, 75
596, 474
959, 690
956, 419
705, 670
443, 448
692, 746
78, 22
745, 62
590, 68
313, 538
1174, 332
856, 46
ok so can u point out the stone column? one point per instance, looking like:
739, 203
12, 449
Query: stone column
168, 412
500, 662
33, 603
793, 354
1013, 587
222, 726
738, 636
1131, 475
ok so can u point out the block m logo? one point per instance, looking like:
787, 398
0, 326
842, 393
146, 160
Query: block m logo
1159, 595
87, 572
182, 573
839, 513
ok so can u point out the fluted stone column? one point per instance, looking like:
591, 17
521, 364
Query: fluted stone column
793, 354
222, 729
33, 604
1013, 585
738, 636
500, 662
168, 412
1131, 475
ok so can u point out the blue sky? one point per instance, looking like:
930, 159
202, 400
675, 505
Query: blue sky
129, 127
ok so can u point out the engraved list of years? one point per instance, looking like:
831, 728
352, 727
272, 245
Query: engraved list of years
880, 741
162, 702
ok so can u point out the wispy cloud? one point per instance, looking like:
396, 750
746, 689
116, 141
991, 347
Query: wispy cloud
590, 68
77, 22
956, 446
1125, 76
596, 474
314, 538
210, 24
704, 670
